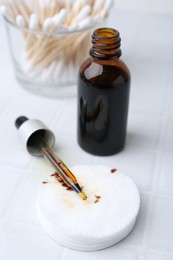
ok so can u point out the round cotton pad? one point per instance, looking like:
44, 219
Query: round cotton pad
106, 217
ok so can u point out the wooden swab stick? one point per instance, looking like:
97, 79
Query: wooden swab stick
13, 7
51, 53
49, 25
44, 60
41, 49
24, 10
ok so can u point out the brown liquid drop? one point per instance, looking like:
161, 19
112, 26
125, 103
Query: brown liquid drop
113, 170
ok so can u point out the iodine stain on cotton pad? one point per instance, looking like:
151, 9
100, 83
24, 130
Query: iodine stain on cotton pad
106, 217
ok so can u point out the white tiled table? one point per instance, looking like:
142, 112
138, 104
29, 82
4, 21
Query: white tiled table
147, 45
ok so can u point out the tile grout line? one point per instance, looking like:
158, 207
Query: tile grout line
11, 204
159, 154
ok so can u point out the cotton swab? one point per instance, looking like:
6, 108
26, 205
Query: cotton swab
48, 24
59, 18
79, 10
33, 25
84, 23
20, 21
47, 44
83, 13
33, 22
97, 6
107, 5
95, 19
23, 9
105, 8
11, 5
74, 11
76, 6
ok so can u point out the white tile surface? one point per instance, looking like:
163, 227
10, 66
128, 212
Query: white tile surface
166, 177
10, 180
161, 224
170, 105
66, 122
143, 130
168, 137
156, 256
142, 99
25, 206
110, 253
9, 155
136, 237
28, 242
147, 46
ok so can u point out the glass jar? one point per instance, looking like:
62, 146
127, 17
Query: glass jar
47, 63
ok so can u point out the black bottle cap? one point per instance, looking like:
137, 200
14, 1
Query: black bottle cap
20, 120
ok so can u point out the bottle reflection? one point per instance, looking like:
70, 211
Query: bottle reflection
94, 120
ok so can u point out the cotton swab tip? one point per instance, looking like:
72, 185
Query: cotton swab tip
59, 18
108, 4
97, 5
3, 9
85, 22
83, 13
48, 24
33, 22
20, 21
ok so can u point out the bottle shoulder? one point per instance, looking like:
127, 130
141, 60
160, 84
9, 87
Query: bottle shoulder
109, 71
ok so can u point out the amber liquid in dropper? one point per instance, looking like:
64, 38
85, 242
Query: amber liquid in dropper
62, 169
37, 141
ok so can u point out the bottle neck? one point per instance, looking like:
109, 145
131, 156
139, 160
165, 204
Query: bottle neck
106, 44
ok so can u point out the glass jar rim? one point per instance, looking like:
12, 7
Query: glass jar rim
56, 34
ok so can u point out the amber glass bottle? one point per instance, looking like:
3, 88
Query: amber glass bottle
103, 96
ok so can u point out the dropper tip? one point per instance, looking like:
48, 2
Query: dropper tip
82, 195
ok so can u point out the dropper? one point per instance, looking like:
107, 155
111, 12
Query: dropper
39, 141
